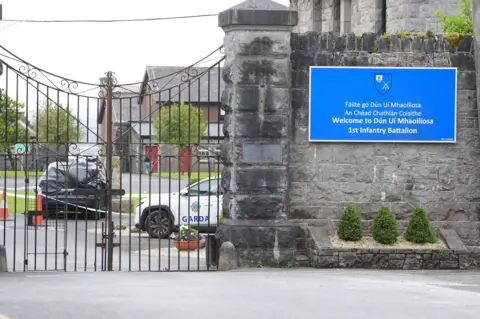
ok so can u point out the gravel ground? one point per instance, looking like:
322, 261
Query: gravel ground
369, 242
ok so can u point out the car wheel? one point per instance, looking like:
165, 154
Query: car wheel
158, 224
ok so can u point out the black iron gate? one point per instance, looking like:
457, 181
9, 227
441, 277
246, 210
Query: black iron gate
108, 176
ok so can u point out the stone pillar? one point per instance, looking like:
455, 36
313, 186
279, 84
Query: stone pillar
331, 16
309, 15
476, 34
367, 16
257, 102
345, 16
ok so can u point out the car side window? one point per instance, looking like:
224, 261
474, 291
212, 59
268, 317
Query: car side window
204, 188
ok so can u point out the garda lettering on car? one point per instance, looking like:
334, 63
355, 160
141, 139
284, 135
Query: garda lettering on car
195, 218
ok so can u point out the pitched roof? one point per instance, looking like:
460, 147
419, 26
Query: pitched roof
125, 106
174, 83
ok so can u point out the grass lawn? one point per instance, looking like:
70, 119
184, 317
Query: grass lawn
16, 203
193, 175
11, 174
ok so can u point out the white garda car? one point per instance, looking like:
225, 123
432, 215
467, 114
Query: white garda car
198, 205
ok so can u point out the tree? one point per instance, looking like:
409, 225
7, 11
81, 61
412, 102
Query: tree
418, 230
385, 229
350, 228
180, 124
11, 132
57, 125
460, 23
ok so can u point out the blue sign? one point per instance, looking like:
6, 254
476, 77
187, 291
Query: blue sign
397, 105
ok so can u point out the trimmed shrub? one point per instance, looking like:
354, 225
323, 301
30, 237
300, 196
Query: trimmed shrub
418, 229
385, 228
350, 228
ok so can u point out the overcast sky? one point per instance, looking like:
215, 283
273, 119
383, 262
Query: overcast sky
85, 51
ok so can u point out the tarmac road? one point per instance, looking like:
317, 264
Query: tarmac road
252, 294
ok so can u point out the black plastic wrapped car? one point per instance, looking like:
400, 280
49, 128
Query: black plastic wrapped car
78, 186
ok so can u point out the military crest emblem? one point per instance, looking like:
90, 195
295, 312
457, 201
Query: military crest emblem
383, 83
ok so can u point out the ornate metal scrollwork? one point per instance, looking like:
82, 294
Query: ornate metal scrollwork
102, 152
28, 70
153, 86
117, 94
44, 79
68, 85
109, 81
189, 73
73, 148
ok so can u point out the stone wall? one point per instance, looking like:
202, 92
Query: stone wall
367, 15
330, 10
311, 20
411, 259
417, 15
317, 15
476, 31
443, 178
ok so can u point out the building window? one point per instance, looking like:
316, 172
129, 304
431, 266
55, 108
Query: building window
206, 155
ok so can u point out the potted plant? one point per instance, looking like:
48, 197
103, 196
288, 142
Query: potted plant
187, 238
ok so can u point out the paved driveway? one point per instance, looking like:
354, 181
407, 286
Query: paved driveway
71, 245
252, 294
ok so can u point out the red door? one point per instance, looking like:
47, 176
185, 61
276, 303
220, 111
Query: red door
152, 153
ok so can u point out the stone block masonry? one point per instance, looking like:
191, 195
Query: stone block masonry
323, 255
442, 178
257, 103
476, 32
371, 15
367, 16
413, 259
418, 15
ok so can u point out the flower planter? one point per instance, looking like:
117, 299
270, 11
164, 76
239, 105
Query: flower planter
186, 245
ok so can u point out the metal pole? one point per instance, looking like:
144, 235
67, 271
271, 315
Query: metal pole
109, 167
